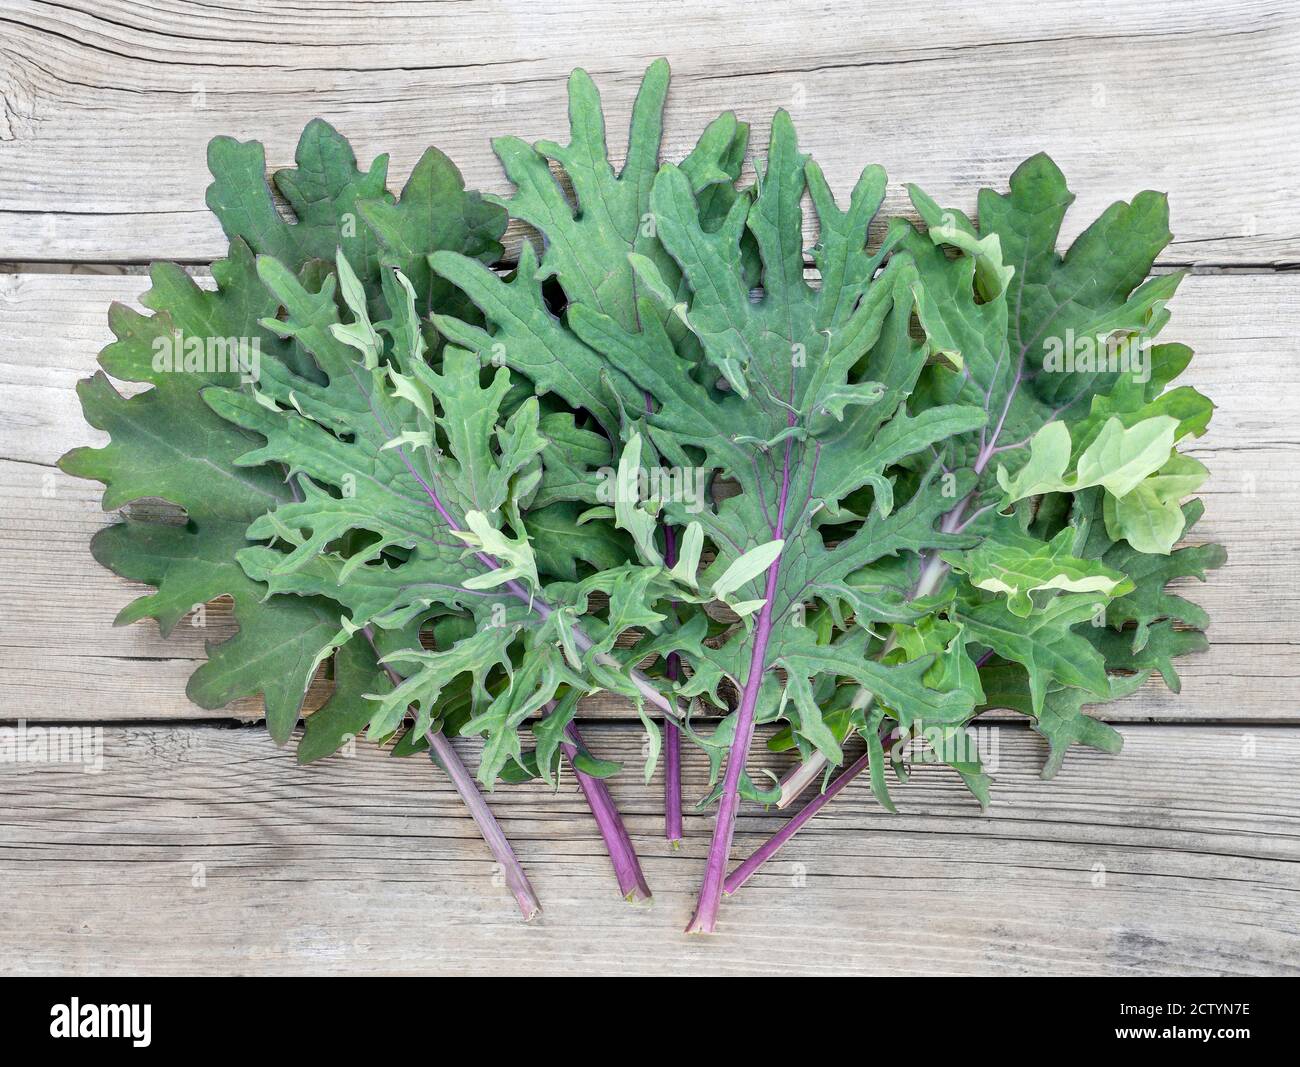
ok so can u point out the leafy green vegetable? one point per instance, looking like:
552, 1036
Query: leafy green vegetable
333, 493
867, 493
167, 444
847, 491
1075, 530
799, 428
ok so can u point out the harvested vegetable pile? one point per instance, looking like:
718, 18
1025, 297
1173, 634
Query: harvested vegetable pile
859, 493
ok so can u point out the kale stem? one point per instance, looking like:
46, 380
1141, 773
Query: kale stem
672, 773
627, 867
706, 912
792, 826
769, 848
672, 736
444, 755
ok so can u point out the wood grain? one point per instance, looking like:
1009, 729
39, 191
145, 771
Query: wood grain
199, 849
106, 106
61, 659
202, 848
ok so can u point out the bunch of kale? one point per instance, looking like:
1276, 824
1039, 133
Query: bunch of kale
872, 488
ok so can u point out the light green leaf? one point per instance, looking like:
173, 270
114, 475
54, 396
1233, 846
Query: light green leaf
1121, 456
1030, 566
746, 568
688, 555
482, 536
1150, 516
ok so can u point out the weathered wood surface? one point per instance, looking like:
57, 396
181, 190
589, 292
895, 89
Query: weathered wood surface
61, 659
205, 849
106, 106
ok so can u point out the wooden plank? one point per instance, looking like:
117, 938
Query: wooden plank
57, 643
203, 850
108, 104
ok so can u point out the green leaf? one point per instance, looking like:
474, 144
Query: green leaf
688, 554
593, 247
592, 251
527, 337
1164, 644
596, 768
551, 734
1150, 602
1045, 643
746, 568
1060, 718
1118, 459
806, 719
1121, 457
1028, 566
876, 761
572, 460
629, 514
1150, 516
165, 443
323, 192
347, 713
953, 228
434, 212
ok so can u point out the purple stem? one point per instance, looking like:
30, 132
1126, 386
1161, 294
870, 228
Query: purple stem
672, 736
792, 826
443, 753
796, 822
627, 867
706, 912
441, 750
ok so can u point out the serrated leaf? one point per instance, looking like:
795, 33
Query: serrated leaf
1018, 570
1045, 643
1060, 717
165, 443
